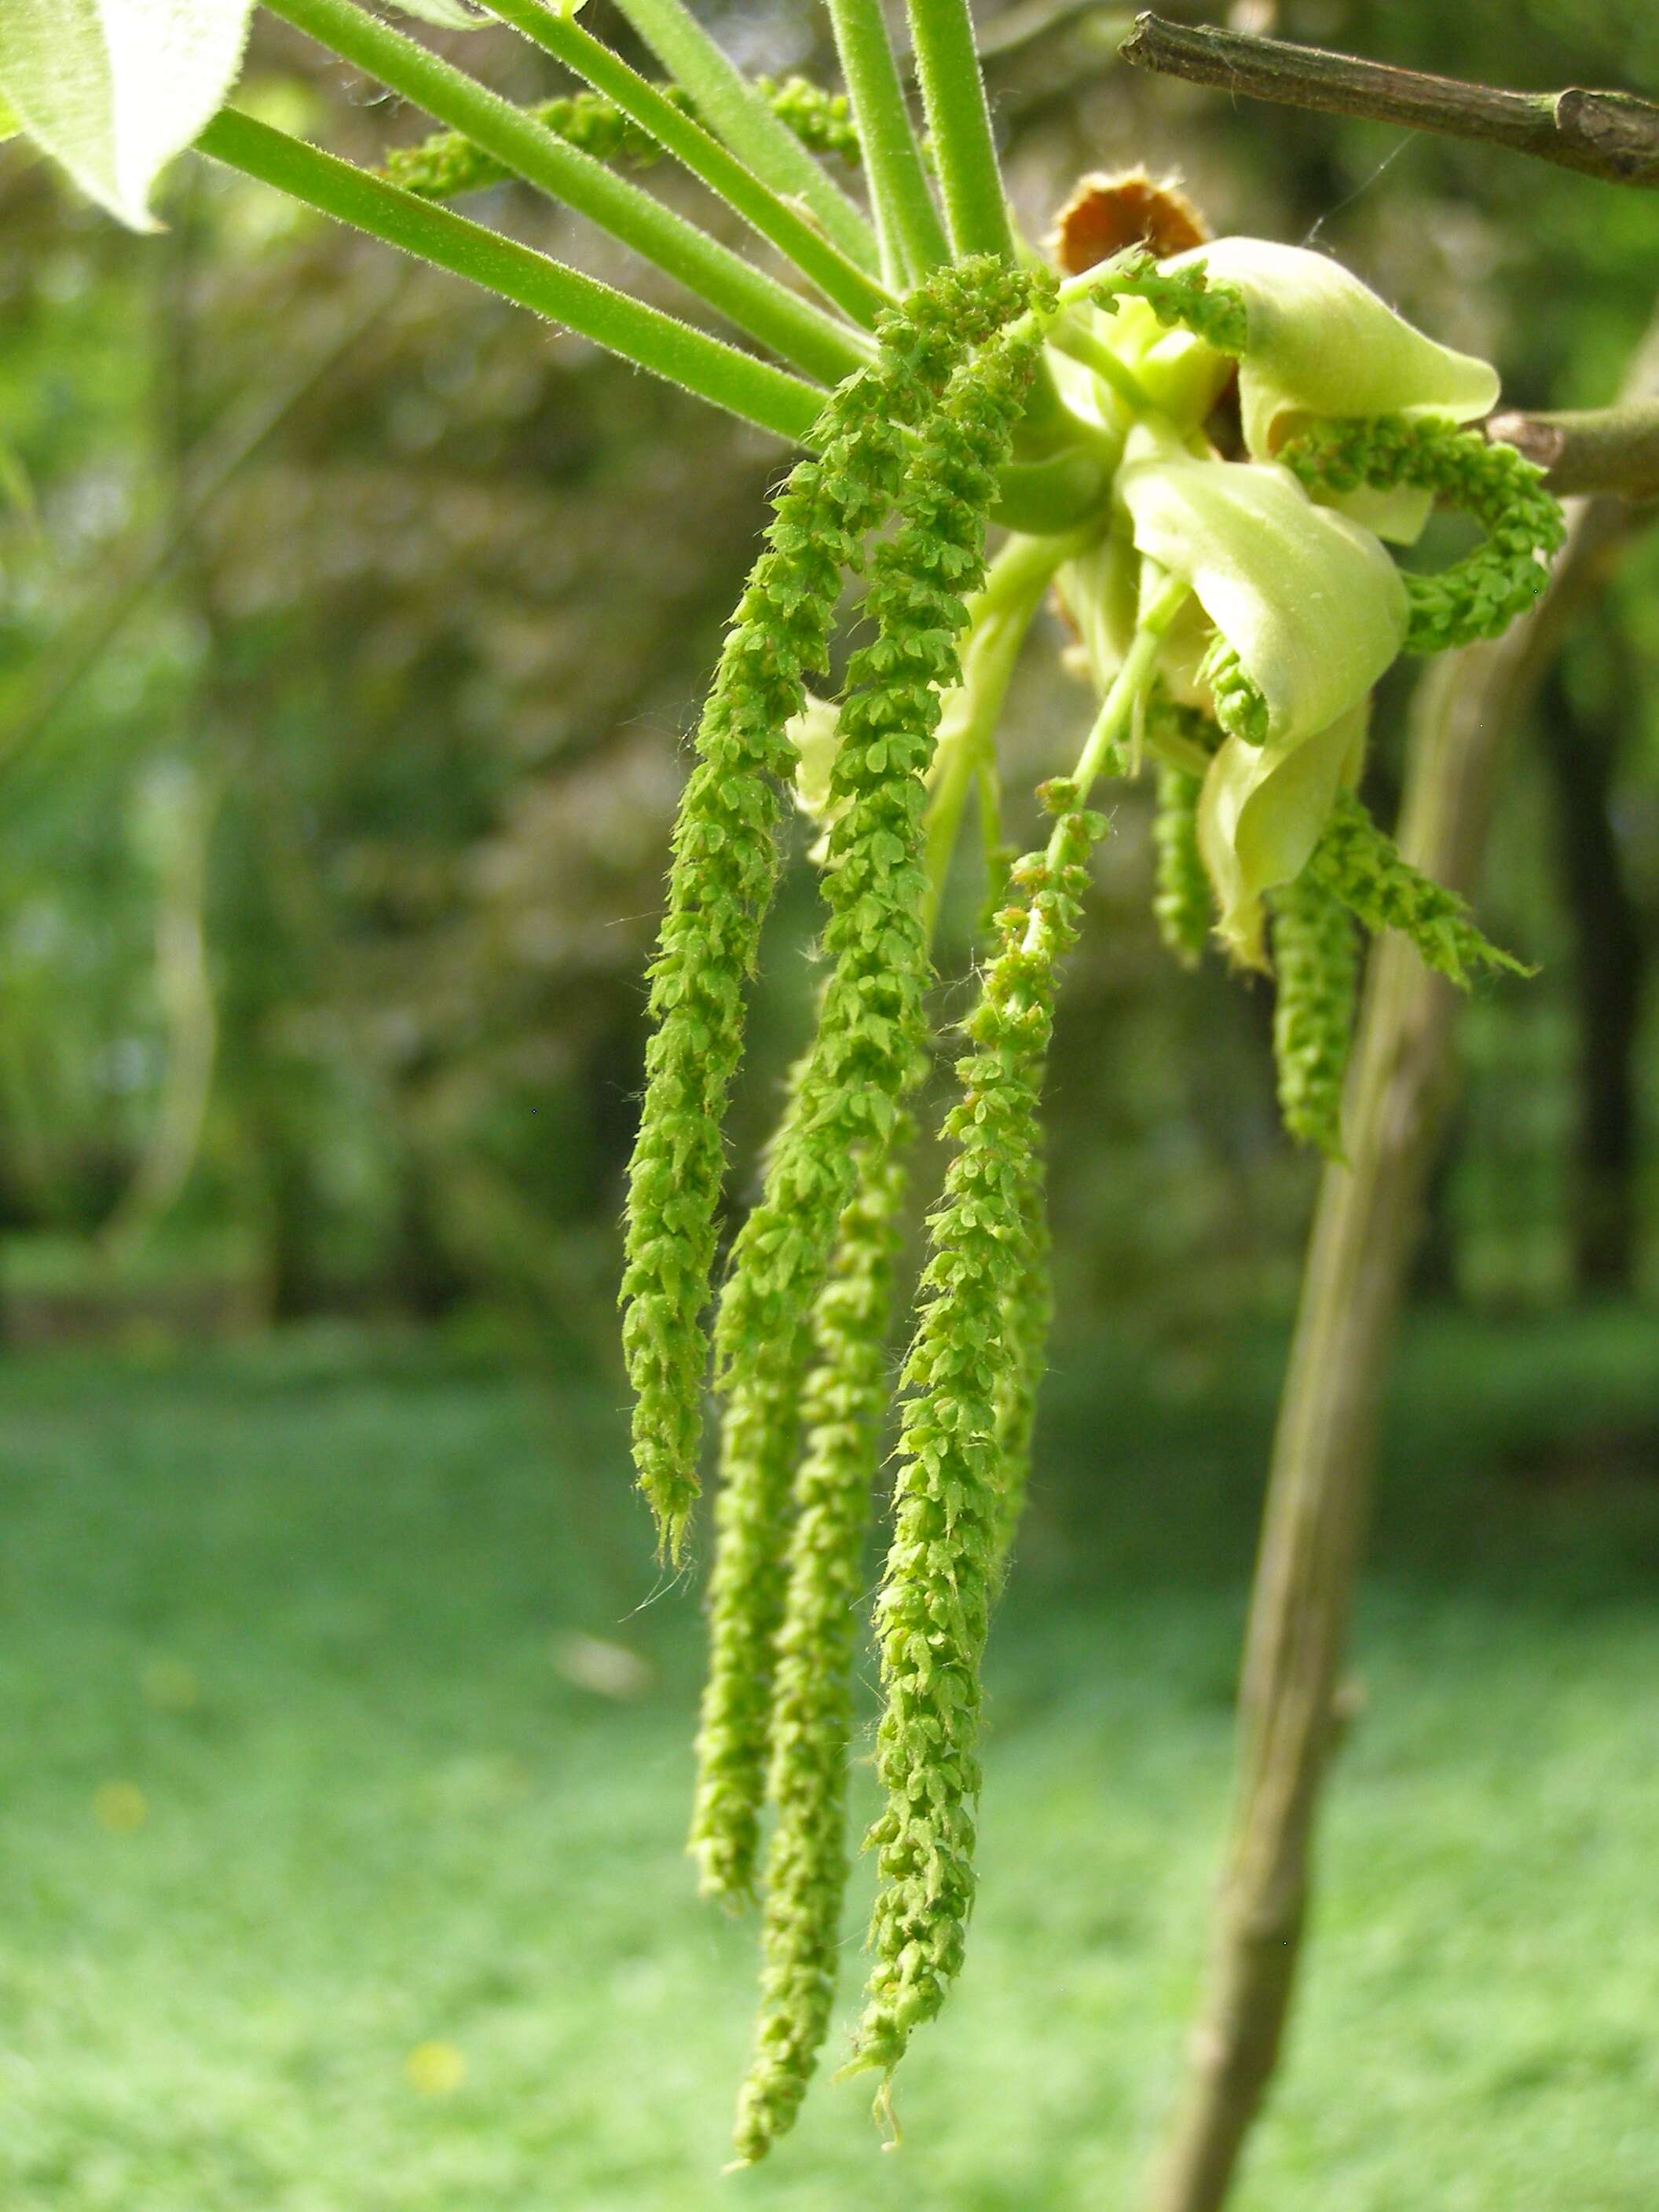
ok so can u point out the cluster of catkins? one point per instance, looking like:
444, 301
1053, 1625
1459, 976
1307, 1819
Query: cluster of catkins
898, 488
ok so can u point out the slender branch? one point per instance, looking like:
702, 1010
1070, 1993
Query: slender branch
736, 112
1614, 450
913, 238
713, 370
1365, 1232
953, 92
778, 221
755, 303
1611, 135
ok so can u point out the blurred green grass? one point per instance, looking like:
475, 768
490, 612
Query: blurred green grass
310, 1804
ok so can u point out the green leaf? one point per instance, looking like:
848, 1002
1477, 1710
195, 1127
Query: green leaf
10, 126
1309, 601
114, 89
1260, 814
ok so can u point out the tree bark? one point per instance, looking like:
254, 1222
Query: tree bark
1319, 1484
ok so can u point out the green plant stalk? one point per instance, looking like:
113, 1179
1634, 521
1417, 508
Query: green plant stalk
912, 236
767, 397
757, 303
741, 116
776, 220
1116, 714
953, 93
999, 618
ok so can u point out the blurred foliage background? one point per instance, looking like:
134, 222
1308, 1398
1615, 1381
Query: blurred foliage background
351, 628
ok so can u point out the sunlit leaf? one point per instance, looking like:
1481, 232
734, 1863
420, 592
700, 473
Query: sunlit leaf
114, 89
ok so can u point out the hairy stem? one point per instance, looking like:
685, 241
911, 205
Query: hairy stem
912, 236
740, 115
757, 303
753, 389
775, 219
953, 92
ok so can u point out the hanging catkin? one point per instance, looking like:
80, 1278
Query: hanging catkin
870, 1042
724, 865
1028, 1313
445, 165
871, 1038
1358, 864
1481, 594
933, 1610
1181, 893
1316, 962
806, 1862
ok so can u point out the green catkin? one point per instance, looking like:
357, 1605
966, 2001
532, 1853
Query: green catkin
1027, 1316
933, 1612
870, 1019
1317, 960
444, 165
725, 862
1358, 864
806, 1864
1240, 707
1217, 312
1181, 893
760, 1432
870, 1043
1480, 595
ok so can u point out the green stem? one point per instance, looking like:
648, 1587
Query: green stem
706, 366
1069, 337
776, 220
740, 115
755, 303
1116, 713
999, 618
912, 236
1043, 498
953, 92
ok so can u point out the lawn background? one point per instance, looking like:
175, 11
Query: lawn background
331, 1885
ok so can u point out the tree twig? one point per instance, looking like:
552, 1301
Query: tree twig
1612, 135
1614, 450
1365, 1232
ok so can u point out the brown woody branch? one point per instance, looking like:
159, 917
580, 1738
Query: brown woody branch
1611, 135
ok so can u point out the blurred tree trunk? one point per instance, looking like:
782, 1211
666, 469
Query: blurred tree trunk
1365, 1232
1581, 753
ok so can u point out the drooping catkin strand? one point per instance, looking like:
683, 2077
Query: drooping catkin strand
443, 166
869, 1044
725, 860
1316, 961
1181, 893
1028, 1314
933, 1610
807, 1864
1360, 864
1481, 594
760, 1431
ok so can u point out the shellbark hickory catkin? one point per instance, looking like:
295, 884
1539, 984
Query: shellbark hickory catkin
933, 1612
724, 863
